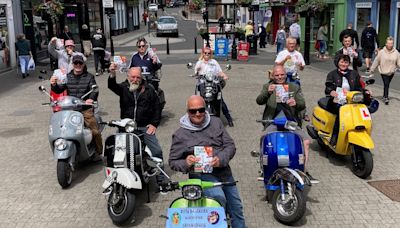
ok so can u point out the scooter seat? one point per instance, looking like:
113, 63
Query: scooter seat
324, 103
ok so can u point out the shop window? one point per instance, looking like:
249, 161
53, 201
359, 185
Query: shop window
362, 17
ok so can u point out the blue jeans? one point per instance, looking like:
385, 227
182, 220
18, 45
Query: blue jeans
322, 46
279, 47
225, 111
152, 142
229, 197
23, 62
291, 79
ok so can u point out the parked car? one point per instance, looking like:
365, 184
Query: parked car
153, 7
178, 3
167, 25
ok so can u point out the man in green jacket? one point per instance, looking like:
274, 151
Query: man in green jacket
290, 106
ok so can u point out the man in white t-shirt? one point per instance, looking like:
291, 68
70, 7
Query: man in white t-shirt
292, 61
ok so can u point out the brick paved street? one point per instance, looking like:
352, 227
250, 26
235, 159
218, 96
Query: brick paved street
31, 196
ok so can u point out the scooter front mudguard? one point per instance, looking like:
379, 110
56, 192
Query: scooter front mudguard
124, 177
69, 151
286, 174
361, 138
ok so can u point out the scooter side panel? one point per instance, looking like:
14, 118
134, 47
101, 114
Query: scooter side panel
322, 120
280, 144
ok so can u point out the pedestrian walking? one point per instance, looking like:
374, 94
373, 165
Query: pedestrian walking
23, 47
263, 35
66, 35
322, 38
99, 43
268, 31
205, 15
280, 39
145, 16
352, 33
387, 61
369, 38
249, 30
347, 49
86, 43
221, 22
295, 32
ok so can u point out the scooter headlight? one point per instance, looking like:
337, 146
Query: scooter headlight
209, 77
130, 126
60, 144
192, 192
357, 98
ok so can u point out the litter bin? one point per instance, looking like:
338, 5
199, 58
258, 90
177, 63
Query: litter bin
252, 40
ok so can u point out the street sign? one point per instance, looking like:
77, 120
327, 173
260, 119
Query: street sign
108, 3
221, 47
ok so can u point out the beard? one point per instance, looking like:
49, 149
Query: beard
133, 87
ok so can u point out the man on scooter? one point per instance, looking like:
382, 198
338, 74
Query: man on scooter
198, 128
291, 107
139, 101
79, 82
345, 78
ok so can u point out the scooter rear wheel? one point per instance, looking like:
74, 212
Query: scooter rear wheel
362, 162
121, 210
64, 173
288, 212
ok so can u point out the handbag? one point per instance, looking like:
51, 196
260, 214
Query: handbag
317, 45
31, 64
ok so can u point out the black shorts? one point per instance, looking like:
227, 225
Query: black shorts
367, 53
298, 41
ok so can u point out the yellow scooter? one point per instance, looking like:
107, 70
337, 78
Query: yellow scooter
354, 136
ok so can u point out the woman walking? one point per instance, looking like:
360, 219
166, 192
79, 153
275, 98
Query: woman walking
387, 61
322, 39
23, 47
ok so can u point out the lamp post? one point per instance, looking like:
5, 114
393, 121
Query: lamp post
109, 11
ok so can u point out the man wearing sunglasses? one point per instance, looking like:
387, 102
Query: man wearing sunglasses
198, 128
79, 82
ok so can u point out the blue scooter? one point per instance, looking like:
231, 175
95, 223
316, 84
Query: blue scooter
282, 166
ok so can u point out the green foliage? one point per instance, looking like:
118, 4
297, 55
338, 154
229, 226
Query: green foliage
196, 4
54, 8
239, 30
310, 6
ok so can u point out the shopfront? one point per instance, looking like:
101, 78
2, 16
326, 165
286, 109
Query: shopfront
4, 45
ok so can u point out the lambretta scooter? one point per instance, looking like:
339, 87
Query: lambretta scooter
281, 159
129, 164
209, 86
207, 211
355, 125
70, 141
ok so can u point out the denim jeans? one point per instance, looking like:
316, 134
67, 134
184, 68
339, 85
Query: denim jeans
225, 111
23, 62
322, 46
279, 47
291, 79
152, 142
229, 197
98, 57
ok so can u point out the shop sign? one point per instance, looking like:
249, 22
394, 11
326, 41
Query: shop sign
3, 18
133, 2
363, 4
243, 51
221, 47
108, 3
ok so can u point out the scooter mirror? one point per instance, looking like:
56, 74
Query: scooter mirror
291, 125
189, 65
370, 81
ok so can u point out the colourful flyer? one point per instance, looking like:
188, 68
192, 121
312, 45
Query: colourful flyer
205, 153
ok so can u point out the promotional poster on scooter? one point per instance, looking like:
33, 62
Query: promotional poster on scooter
205, 153
196, 217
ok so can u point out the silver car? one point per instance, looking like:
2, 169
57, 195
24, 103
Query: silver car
167, 25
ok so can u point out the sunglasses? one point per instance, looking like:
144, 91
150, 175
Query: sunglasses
207, 53
194, 111
78, 63
141, 46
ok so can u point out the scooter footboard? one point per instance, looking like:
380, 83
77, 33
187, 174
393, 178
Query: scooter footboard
122, 176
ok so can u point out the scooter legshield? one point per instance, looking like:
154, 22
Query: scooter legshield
361, 138
281, 149
203, 202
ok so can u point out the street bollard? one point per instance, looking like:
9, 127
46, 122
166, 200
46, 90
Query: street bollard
167, 46
195, 44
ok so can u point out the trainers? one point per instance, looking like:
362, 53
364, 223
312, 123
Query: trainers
97, 74
306, 118
386, 99
367, 71
312, 179
97, 157
230, 123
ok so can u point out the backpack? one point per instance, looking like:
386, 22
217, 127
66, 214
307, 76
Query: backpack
281, 37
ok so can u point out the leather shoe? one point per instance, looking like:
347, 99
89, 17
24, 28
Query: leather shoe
230, 123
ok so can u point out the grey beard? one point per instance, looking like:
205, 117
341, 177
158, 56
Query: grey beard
133, 87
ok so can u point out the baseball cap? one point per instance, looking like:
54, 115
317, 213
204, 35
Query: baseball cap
78, 58
69, 43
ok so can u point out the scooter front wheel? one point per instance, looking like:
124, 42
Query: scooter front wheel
288, 211
64, 173
121, 204
362, 161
